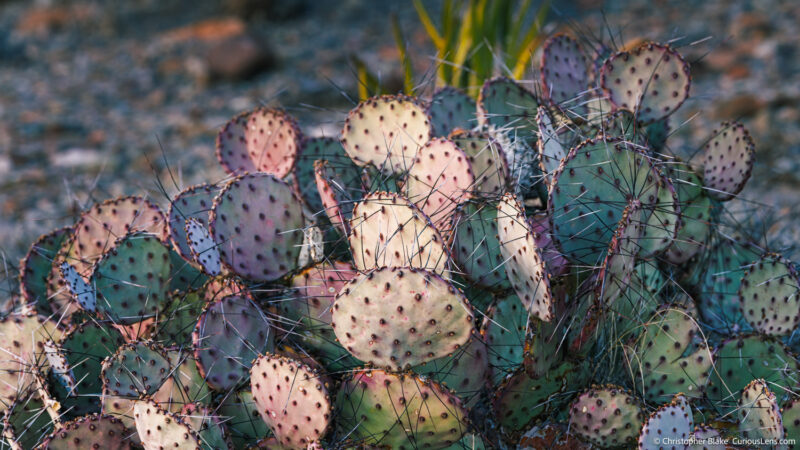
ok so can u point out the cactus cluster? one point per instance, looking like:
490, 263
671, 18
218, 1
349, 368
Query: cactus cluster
537, 269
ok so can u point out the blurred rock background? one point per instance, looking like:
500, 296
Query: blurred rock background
100, 98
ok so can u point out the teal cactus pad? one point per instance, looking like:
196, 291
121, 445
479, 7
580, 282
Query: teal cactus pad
192, 202
671, 422
210, 429
159, 429
465, 371
184, 276
590, 191
177, 321
543, 347
744, 358
476, 247
606, 416
652, 81
135, 369
185, 386
324, 149
565, 73
25, 423
629, 313
728, 161
336, 197
505, 105
664, 222
262, 140
696, 227
665, 360
505, 329
85, 347
257, 221
292, 398
790, 416
618, 267
769, 295
401, 317
132, 279
240, 413
551, 151
439, 179
401, 411
758, 413
203, 248
93, 431
523, 261
488, 160
387, 230
386, 132
230, 333
451, 108
36, 266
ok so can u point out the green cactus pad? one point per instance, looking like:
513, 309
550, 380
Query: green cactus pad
439, 179
728, 161
324, 149
505, 329
230, 333
664, 222
565, 73
628, 314
606, 416
505, 105
257, 220
719, 303
36, 267
21, 339
209, 427
336, 198
551, 152
769, 295
543, 347
135, 369
476, 247
159, 429
387, 230
184, 276
193, 202
759, 414
615, 274
790, 416
670, 422
742, 359
186, 385
449, 109
204, 249
520, 399
488, 161
665, 361
696, 227
590, 191
25, 423
262, 140
652, 81
400, 411
523, 262
466, 371
177, 321
240, 413
401, 317
132, 279
386, 132
292, 398
93, 431
60, 368
85, 347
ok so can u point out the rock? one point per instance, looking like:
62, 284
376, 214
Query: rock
266, 9
744, 105
77, 157
239, 57
210, 30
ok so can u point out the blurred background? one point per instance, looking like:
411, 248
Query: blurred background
104, 98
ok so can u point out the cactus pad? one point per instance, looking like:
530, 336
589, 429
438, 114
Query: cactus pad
257, 221
400, 317
387, 230
324, 149
692, 236
386, 132
35, 268
524, 265
230, 333
292, 398
85, 347
193, 202
565, 72
210, 429
240, 413
488, 160
204, 249
726, 264
132, 279
93, 431
615, 274
401, 411
790, 416
670, 422
770, 296
661, 228
652, 81
606, 416
465, 371
159, 429
25, 423
476, 247
439, 179
551, 152
505, 329
451, 108
135, 369
263, 140
759, 414
505, 105
336, 198
728, 161
83, 293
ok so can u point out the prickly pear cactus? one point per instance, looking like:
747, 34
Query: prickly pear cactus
759, 414
769, 296
451, 108
92, 431
671, 422
159, 429
606, 416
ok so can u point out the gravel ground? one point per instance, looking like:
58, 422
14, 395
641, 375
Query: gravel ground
105, 98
